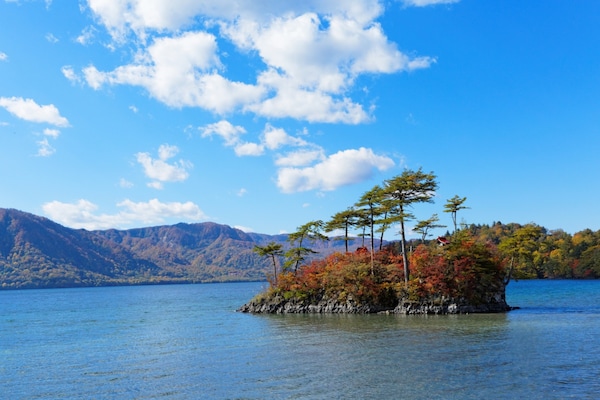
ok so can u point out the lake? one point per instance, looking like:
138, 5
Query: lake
187, 342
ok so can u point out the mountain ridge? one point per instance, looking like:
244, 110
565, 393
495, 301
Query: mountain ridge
36, 252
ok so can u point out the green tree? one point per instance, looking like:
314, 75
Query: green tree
362, 224
454, 205
383, 221
520, 249
343, 220
589, 265
271, 250
311, 232
405, 190
423, 227
370, 202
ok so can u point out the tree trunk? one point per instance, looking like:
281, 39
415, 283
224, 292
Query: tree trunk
372, 247
274, 269
403, 244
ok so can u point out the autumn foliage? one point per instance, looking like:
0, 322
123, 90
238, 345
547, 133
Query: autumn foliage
465, 270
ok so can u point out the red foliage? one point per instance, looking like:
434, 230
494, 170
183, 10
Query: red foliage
465, 269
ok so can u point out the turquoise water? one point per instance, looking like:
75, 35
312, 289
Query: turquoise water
187, 342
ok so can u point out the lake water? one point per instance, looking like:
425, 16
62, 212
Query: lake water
187, 342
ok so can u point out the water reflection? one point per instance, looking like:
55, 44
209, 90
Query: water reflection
453, 325
375, 355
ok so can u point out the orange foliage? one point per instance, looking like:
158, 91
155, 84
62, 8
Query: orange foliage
464, 269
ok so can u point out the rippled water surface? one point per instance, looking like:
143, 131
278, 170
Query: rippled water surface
187, 342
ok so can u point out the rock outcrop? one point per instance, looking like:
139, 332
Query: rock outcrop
276, 304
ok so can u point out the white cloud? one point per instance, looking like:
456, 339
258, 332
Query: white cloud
230, 133
45, 149
425, 3
294, 101
139, 16
82, 214
300, 158
53, 133
29, 110
86, 36
326, 59
343, 168
312, 52
155, 185
297, 169
3, 56
124, 183
274, 138
70, 74
51, 38
242, 192
180, 71
123, 16
94, 78
160, 170
166, 151
244, 228
249, 149
156, 211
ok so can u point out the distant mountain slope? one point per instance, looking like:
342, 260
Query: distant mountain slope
36, 252
197, 252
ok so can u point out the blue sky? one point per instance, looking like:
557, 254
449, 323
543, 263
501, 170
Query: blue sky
267, 115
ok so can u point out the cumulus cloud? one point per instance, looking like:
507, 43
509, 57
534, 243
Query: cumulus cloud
340, 169
248, 149
180, 71
275, 138
159, 170
272, 138
29, 110
302, 165
300, 158
83, 213
228, 132
311, 54
231, 136
121, 17
69, 73
3, 56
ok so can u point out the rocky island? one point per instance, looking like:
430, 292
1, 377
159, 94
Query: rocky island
460, 278
459, 274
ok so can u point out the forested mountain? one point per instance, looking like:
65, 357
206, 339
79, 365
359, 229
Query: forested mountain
36, 252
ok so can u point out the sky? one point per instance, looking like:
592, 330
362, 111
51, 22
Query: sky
268, 114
